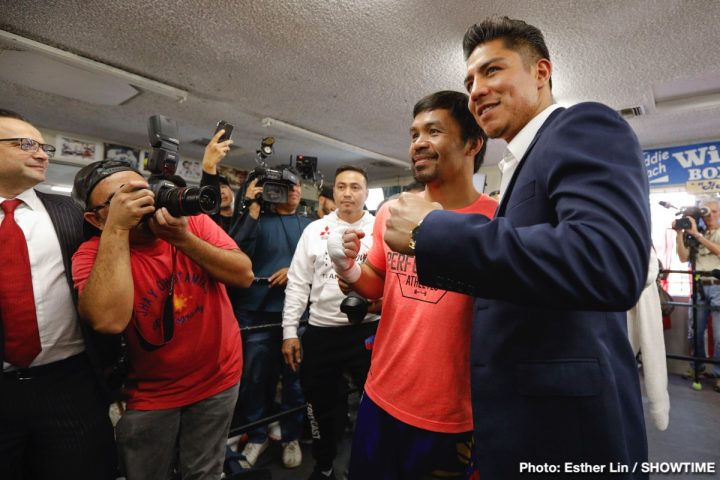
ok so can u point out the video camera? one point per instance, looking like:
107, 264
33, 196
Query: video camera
179, 201
697, 213
276, 182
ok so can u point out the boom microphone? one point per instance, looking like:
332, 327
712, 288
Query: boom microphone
667, 205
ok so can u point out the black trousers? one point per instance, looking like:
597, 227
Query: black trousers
54, 424
328, 352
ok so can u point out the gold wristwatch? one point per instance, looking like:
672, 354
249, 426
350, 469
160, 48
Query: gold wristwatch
413, 235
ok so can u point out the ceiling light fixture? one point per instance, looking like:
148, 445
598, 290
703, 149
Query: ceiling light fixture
329, 141
689, 102
94, 66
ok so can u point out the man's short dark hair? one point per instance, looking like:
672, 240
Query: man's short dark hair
352, 168
516, 35
10, 114
457, 104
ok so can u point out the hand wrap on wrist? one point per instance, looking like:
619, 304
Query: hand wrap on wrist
345, 267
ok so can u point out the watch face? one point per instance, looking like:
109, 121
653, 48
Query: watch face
413, 236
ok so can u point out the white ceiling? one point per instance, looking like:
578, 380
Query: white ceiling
352, 69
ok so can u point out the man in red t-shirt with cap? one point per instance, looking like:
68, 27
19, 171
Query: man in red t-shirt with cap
160, 280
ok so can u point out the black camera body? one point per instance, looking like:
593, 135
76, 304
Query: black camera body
179, 201
697, 213
276, 183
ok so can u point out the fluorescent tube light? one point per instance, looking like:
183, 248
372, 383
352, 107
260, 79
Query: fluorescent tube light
94, 66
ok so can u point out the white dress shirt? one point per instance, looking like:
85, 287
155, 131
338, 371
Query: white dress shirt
518, 146
60, 335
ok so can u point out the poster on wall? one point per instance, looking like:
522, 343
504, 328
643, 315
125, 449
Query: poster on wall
695, 166
190, 170
123, 154
77, 150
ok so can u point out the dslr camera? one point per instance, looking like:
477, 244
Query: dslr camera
697, 213
179, 201
276, 182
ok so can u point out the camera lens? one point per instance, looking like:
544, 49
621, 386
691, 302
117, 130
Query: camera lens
208, 200
275, 192
183, 201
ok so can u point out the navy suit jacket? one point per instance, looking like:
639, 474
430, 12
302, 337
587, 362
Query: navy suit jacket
68, 221
553, 376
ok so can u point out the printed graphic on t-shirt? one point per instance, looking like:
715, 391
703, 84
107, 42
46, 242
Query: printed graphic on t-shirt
149, 307
403, 268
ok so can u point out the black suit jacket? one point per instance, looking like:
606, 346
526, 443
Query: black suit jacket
553, 376
67, 219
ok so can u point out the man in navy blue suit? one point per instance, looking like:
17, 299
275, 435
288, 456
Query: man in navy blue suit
554, 381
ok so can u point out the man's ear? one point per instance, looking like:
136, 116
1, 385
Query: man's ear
92, 219
543, 67
473, 147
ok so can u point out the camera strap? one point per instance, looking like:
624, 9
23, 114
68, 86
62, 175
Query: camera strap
167, 314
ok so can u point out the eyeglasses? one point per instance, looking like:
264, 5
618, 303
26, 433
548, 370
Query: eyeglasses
106, 203
30, 145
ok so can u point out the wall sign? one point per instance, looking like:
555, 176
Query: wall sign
698, 165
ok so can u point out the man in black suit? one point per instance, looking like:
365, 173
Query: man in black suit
554, 379
53, 413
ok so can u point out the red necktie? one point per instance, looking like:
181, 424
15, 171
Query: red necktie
17, 303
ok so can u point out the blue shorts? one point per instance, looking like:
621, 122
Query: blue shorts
384, 448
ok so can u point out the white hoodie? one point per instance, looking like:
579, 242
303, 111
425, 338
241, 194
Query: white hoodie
311, 274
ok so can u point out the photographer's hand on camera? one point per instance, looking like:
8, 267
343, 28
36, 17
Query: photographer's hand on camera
129, 205
683, 249
215, 151
252, 194
173, 230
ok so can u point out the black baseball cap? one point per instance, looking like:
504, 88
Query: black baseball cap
327, 192
90, 175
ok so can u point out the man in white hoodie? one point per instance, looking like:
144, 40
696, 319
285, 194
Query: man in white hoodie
331, 345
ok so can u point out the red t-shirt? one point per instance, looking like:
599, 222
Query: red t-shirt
420, 368
204, 356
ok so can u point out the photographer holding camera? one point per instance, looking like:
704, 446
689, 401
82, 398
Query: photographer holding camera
268, 228
158, 279
708, 259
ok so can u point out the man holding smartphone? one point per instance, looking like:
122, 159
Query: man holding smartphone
215, 151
